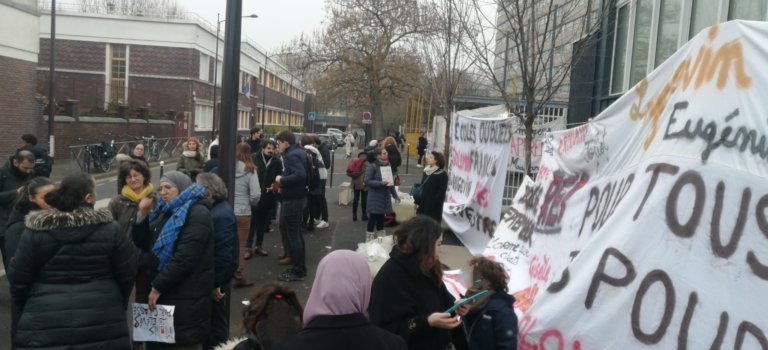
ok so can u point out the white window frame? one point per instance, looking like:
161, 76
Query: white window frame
205, 67
628, 48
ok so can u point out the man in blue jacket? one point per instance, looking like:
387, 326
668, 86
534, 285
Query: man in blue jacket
293, 194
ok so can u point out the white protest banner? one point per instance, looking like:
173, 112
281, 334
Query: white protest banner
478, 163
517, 146
648, 227
153, 325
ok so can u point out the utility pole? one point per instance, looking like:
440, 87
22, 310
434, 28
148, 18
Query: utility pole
52, 83
229, 96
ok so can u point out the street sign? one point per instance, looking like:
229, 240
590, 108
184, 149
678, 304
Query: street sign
367, 119
311, 116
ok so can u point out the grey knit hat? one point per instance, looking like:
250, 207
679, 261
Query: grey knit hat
180, 180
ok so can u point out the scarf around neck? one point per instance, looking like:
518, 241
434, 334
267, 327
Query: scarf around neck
429, 169
136, 197
177, 208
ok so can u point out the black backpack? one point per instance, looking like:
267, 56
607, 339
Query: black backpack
313, 170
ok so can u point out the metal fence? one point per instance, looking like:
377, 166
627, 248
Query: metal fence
100, 157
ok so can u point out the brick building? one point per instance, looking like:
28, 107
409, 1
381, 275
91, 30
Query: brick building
156, 68
20, 110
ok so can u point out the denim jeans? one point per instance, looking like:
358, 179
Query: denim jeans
291, 213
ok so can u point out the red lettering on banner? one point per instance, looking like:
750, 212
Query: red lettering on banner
544, 171
553, 207
525, 298
461, 160
527, 323
539, 268
573, 138
481, 195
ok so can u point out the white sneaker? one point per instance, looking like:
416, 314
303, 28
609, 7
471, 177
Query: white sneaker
322, 224
317, 221
419, 166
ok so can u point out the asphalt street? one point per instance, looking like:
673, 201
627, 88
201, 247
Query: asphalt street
343, 233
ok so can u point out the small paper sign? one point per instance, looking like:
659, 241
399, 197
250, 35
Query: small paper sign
386, 175
153, 325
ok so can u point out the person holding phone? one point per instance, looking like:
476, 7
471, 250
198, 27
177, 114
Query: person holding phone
491, 322
408, 296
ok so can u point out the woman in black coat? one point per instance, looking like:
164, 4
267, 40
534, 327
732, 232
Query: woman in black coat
408, 296
72, 274
179, 234
31, 197
334, 318
434, 184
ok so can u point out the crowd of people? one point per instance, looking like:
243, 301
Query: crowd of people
72, 268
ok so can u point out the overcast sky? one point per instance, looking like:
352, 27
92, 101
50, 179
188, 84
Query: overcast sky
279, 21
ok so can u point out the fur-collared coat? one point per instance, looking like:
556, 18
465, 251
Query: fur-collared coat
72, 275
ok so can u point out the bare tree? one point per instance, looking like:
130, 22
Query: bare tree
363, 51
526, 49
446, 61
148, 8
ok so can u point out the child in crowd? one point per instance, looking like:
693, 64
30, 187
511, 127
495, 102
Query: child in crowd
273, 315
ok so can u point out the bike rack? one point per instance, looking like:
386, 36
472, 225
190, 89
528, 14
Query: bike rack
168, 147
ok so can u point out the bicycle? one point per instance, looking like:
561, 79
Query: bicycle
153, 151
102, 155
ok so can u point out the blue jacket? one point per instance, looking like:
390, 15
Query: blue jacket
225, 244
293, 184
379, 199
494, 326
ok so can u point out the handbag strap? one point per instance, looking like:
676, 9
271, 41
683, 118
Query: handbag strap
426, 179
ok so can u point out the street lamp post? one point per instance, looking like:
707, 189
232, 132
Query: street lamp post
264, 93
52, 82
216, 68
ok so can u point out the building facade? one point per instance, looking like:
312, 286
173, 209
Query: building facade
636, 36
159, 67
20, 108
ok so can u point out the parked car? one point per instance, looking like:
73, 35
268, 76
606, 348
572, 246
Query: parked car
334, 131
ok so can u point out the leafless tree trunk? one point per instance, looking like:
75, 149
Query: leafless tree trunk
539, 36
362, 53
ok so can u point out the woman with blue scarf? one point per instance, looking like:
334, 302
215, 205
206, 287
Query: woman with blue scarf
178, 232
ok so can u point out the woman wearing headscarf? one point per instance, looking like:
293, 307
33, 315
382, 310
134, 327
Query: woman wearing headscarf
72, 273
335, 314
30, 198
434, 185
178, 232
191, 161
408, 295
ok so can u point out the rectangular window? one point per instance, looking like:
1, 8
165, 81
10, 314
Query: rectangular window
242, 120
641, 41
747, 9
703, 14
203, 117
118, 72
620, 50
205, 66
669, 27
